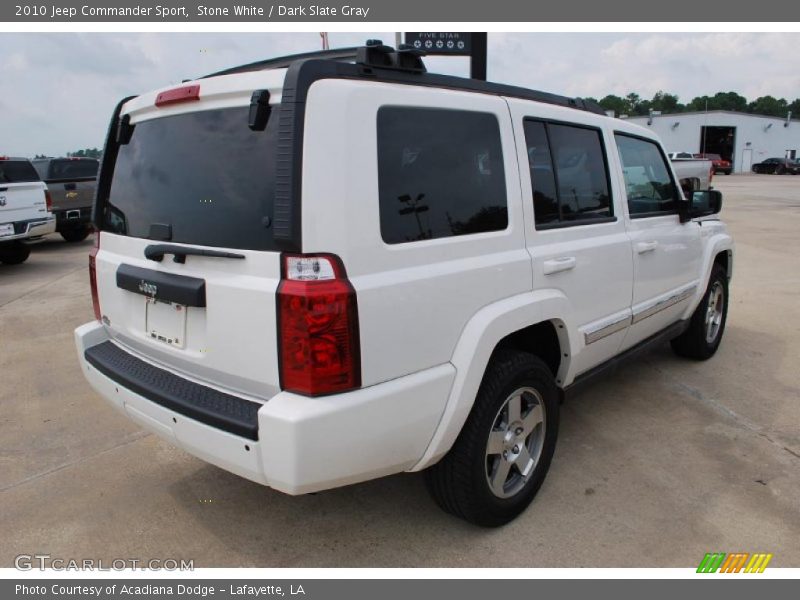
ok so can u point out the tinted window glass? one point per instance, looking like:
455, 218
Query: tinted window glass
41, 167
568, 173
648, 184
69, 169
545, 197
204, 173
17, 171
440, 174
580, 171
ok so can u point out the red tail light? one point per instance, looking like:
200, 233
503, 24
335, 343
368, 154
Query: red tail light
318, 342
93, 275
48, 200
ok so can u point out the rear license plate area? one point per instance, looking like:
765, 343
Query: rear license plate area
165, 322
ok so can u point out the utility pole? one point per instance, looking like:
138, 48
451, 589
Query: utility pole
477, 60
705, 128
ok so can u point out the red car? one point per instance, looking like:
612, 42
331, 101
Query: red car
720, 164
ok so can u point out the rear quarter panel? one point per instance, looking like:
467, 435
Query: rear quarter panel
414, 299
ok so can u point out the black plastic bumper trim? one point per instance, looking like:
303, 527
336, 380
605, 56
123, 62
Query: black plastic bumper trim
218, 409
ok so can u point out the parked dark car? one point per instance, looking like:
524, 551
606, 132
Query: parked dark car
720, 164
778, 166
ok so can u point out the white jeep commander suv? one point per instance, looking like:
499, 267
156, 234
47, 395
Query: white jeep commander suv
317, 271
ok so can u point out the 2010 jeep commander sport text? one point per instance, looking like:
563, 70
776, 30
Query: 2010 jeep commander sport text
316, 271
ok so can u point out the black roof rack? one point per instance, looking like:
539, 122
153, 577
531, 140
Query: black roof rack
283, 62
383, 63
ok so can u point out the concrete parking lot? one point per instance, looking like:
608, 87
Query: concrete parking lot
656, 465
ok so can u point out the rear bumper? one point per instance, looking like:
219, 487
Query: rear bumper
297, 444
70, 218
32, 228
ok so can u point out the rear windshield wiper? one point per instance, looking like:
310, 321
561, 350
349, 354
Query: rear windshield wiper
156, 252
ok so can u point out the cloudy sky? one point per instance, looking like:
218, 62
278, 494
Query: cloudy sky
57, 91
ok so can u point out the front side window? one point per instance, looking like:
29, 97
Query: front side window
568, 173
648, 183
440, 174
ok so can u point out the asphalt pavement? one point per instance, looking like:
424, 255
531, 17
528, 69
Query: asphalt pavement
656, 465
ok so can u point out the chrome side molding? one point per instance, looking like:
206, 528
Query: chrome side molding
606, 329
649, 311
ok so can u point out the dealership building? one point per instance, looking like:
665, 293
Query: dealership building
741, 138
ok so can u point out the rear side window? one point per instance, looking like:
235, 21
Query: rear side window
72, 169
648, 183
440, 174
205, 174
17, 171
569, 175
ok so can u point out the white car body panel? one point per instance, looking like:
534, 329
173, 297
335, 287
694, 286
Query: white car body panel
24, 202
398, 284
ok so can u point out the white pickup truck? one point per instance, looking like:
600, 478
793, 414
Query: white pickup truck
692, 173
313, 273
24, 209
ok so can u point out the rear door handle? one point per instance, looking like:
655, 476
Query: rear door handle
556, 265
70, 187
643, 247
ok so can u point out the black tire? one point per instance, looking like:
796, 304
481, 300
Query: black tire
14, 253
76, 234
459, 483
697, 342
779, 170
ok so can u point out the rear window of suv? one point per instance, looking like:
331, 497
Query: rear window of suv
440, 174
17, 171
206, 174
72, 169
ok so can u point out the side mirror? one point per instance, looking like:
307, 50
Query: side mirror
701, 203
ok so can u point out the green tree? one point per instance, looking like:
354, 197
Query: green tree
86, 153
636, 106
719, 101
615, 103
730, 101
699, 103
666, 103
768, 105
